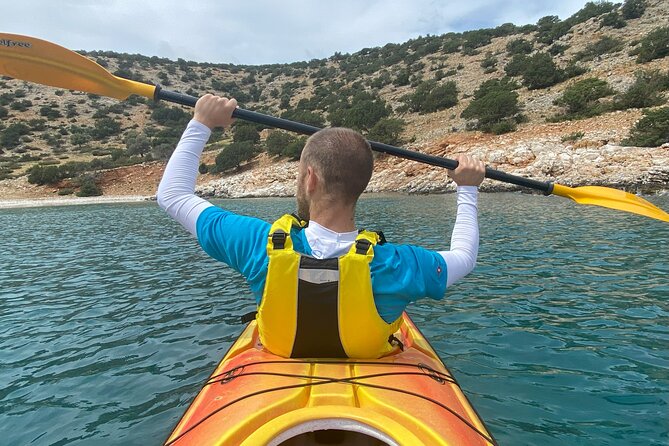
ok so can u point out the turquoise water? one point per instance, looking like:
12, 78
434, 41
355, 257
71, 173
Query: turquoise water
111, 318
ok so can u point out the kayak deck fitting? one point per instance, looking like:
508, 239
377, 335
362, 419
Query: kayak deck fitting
256, 398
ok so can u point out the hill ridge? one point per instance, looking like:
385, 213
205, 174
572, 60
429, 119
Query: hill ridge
61, 127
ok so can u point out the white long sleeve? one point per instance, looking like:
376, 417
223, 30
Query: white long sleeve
176, 195
176, 192
461, 258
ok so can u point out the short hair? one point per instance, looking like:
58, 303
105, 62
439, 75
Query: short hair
344, 160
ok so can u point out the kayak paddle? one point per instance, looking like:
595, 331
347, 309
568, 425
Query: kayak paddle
42, 62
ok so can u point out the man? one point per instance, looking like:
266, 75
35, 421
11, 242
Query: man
323, 288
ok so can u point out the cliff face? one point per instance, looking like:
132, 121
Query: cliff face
576, 152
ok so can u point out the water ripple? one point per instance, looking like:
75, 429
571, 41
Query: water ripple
111, 318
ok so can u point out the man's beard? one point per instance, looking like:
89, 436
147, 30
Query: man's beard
302, 207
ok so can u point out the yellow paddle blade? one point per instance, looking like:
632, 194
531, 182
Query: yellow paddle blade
46, 63
611, 198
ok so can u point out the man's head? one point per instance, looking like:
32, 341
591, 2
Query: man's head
335, 167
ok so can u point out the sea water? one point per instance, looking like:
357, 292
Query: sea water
111, 318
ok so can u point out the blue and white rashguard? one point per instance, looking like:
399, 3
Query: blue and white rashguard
400, 273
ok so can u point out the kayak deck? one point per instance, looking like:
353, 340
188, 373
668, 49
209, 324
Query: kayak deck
257, 398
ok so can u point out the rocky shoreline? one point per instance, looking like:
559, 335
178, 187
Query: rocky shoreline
634, 169
69, 201
596, 162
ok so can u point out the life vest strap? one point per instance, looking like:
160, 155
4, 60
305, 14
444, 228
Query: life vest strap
248, 317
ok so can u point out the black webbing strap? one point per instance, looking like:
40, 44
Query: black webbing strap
392, 340
248, 317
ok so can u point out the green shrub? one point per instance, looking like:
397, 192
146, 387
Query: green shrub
550, 28
590, 10
652, 130
137, 143
88, 187
3, 112
233, 155
39, 124
65, 191
50, 112
557, 49
388, 131
451, 45
5, 173
21, 105
573, 136
203, 168
44, 175
245, 133
538, 71
502, 127
541, 72
490, 61
654, 46
613, 20
26, 157
644, 92
604, 45
573, 70
161, 151
495, 106
277, 141
633, 9
294, 149
582, 98
430, 97
519, 46
360, 113
80, 138
11, 136
6, 98
304, 116
170, 116
105, 128
476, 39
516, 65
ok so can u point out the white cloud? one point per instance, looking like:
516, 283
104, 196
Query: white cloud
262, 31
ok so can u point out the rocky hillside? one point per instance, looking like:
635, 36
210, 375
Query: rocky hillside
561, 99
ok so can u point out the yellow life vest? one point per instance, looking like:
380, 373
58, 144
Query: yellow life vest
321, 308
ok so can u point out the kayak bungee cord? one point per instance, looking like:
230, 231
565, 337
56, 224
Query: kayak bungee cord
327, 380
434, 374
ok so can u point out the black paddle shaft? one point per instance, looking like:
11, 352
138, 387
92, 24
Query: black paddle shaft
298, 127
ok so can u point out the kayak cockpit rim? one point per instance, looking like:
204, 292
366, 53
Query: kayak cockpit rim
349, 432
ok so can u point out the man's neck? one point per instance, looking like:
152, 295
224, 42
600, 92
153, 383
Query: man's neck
335, 218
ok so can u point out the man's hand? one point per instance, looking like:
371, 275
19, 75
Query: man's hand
214, 111
470, 172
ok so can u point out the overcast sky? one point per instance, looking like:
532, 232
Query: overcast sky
262, 31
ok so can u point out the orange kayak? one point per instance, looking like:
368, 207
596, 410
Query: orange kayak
255, 398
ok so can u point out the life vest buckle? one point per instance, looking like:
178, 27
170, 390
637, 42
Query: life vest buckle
279, 239
362, 246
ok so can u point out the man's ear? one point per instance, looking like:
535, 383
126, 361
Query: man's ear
311, 180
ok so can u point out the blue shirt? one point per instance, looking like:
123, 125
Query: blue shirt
400, 273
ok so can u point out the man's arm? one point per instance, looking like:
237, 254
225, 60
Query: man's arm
176, 192
461, 258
